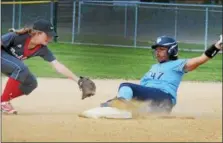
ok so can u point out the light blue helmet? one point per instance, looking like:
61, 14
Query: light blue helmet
168, 42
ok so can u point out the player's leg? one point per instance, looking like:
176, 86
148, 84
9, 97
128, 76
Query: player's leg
159, 100
20, 81
125, 90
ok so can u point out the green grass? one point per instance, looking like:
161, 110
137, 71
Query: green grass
115, 62
120, 40
65, 36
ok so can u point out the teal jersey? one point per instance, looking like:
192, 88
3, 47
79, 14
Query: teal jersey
165, 76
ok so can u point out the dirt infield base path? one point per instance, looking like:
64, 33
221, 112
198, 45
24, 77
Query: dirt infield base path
50, 114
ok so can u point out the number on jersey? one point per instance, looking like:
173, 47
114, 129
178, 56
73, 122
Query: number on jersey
156, 75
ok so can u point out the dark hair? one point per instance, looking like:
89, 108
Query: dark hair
173, 58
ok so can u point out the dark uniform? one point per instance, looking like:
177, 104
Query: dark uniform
14, 50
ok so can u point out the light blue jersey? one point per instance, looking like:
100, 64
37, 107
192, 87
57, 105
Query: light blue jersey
165, 76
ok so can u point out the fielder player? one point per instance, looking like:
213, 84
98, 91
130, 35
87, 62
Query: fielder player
24, 44
160, 84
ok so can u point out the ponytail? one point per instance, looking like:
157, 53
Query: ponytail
25, 30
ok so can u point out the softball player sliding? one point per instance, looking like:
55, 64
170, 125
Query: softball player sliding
20, 45
159, 85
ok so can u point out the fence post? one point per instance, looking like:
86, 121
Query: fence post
125, 23
55, 6
176, 19
13, 15
79, 17
136, 25
206, 28
73, 21
51, 11
20, 15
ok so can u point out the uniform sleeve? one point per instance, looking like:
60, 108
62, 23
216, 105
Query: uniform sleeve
46, 54
179, 65
7, 39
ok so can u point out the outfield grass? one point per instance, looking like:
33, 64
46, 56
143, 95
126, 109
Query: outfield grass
115, 62
119, 40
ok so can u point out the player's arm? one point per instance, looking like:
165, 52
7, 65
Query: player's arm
86, 85
193, 63
62, 69
47, 55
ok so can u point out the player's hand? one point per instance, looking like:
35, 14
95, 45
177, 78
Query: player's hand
219, 43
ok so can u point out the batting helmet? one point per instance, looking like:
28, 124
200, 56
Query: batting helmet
168, 42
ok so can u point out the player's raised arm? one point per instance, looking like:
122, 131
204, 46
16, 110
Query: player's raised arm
193, 63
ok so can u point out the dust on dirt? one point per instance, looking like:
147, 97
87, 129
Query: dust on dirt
50, 113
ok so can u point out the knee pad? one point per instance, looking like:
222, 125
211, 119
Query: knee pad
125, 92
18, 72
29, 84
23, 73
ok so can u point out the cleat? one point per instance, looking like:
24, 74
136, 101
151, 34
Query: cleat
7, 108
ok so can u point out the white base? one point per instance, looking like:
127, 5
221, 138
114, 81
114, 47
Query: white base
106, 112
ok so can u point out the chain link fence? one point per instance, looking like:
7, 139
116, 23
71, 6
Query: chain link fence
135, 24
19, 14
121, 23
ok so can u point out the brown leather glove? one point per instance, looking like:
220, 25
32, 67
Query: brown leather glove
87, 86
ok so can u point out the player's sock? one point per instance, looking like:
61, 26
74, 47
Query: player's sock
11, 90
125, 92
